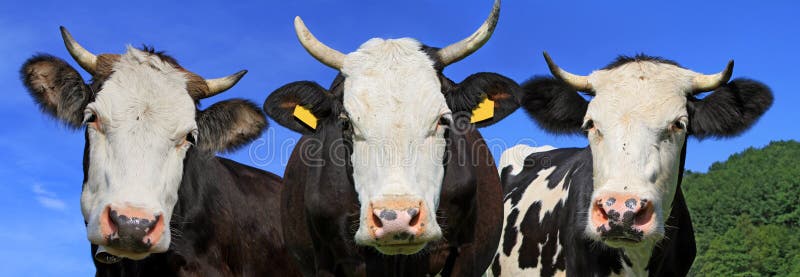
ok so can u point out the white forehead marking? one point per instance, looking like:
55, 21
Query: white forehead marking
643, 90
393, 97
392, 81
144, 88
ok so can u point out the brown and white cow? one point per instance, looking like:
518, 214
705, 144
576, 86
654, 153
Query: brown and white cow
390, 176
154, 193
615, 207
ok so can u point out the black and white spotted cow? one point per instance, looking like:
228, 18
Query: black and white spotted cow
615, 207
156, 200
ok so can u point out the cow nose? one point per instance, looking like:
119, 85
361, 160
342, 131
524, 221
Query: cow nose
130, 228
399, 223
622, 215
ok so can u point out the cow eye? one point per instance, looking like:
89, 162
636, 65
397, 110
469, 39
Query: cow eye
445, 120
89, 117
678, 125
191, 137
587, 126
344, 121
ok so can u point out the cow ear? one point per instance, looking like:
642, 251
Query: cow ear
730, 110
487, 97
299, 106
554, 105
57, 87
228, 125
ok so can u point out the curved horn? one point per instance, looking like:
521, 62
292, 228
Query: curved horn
459, 50
577, 82
316, 48
702, 82
85, 59
215, 86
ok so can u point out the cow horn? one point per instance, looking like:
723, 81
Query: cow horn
85, 59
316, 48
218, 85
703, 83
577, 82
459, 50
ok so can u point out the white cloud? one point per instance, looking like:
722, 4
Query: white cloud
48, 199
51, 203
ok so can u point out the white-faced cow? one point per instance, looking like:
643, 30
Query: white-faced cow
389, 164
153, 191
615, 207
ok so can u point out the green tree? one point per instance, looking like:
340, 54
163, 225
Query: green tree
746, 213
750, 250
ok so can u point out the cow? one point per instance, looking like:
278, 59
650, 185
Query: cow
615, 207
156, 200
391, 176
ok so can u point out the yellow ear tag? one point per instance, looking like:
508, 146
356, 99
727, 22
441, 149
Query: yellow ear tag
484, 111
305, 116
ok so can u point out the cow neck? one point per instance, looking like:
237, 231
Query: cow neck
194, 187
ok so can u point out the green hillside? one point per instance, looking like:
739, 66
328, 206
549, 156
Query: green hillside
746, 213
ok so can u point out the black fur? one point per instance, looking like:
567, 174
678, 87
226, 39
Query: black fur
160, 54
730, 110
465, 96
622, 59
229, 125
281, 103
554, 105
57, 87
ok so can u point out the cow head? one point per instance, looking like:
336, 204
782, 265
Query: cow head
141, 120
398, 108
641, 111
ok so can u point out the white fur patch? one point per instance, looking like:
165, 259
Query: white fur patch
515, 156
393, 97
144, 113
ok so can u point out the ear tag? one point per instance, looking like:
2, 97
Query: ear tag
484, 111
305, 116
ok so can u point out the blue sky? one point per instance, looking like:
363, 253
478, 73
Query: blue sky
41, 175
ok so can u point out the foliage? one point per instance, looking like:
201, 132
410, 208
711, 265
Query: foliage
746, 213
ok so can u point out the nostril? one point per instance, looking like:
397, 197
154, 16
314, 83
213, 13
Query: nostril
153, 225
598, 206
415, 215
376, 220
645, 213
111, 218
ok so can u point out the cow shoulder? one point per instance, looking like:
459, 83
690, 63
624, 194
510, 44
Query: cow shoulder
515, 156
534, 204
